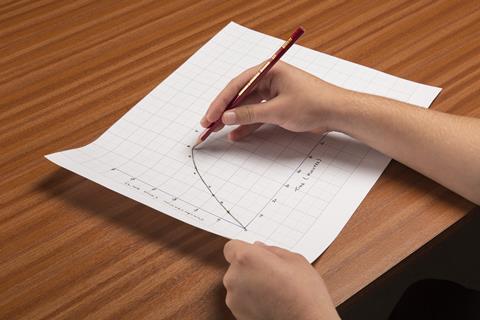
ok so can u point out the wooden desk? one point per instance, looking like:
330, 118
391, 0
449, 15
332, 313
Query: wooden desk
69, 69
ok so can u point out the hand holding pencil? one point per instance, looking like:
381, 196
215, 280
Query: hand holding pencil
252, 82
286, 96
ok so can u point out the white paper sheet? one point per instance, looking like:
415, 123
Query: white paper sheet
296, 191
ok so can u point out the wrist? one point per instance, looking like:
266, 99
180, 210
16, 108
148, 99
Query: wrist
338, 108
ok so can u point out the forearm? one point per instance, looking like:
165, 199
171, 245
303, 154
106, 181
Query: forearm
444, 147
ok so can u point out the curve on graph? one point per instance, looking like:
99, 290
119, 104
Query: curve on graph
210, 190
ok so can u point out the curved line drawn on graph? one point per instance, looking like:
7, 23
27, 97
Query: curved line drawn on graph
211, 192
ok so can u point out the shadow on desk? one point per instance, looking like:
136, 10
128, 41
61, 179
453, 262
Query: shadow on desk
453, 256
195, 248
133, 216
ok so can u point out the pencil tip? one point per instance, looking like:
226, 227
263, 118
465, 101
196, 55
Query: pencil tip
197, 143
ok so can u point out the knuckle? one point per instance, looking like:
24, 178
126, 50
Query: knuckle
243, 257
280, 66
249, 114
232, 82
227, 281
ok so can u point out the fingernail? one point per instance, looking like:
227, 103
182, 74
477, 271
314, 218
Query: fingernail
204, 122
229, 117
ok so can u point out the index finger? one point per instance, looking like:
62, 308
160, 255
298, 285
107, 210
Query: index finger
219, 104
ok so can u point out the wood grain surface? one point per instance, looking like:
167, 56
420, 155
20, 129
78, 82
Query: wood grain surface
71, 249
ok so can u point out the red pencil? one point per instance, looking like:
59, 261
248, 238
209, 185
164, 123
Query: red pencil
253, 81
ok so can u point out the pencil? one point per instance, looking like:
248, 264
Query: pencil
250, 85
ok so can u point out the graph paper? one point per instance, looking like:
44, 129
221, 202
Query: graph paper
293, 190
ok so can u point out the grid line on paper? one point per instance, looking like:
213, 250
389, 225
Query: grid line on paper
205, 67
303, 235
211, 192
169, 194
306, 157
153, 169
142, 147
312, 224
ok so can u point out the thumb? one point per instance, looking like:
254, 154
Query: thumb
280, 252
253, 113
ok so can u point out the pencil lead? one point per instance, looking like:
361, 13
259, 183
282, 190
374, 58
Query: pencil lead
197, 143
